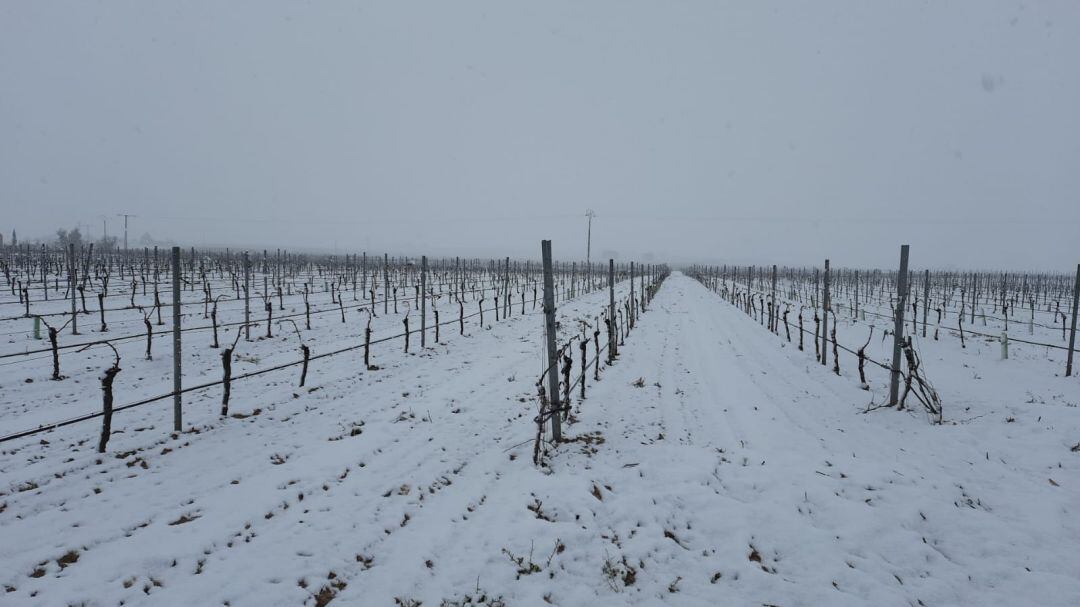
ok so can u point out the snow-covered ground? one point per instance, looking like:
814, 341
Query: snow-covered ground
29, 400
738, 471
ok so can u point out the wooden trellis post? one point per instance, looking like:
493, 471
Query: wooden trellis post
552, 354
1072, 332
177, 384
825, 317
612, 340
773, 310
898, 326
423, 301
247, 297
643, 291
926, 300
72, 271
506, 289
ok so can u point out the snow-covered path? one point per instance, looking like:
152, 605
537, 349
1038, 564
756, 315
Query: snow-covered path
740, 472
743, 473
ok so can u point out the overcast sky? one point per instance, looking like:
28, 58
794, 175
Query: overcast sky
760, 132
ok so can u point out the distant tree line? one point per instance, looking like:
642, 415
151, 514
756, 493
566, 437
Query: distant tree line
75, 236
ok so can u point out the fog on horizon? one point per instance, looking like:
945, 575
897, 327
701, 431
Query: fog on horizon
765, 132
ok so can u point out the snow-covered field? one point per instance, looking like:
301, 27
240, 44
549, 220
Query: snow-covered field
738, 471
29, 399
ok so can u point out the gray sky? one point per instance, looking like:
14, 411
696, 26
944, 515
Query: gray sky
741, 131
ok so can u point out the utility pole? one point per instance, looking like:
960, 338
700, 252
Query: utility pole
125, 216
